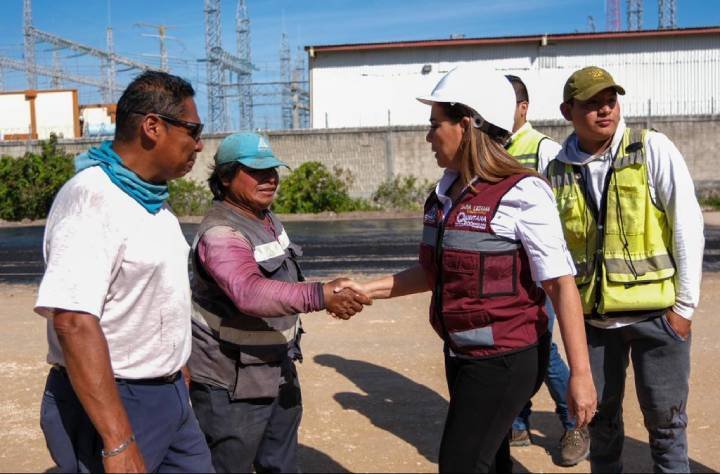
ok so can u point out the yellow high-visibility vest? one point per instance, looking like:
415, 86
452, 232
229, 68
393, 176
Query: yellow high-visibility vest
622, 251
525, 147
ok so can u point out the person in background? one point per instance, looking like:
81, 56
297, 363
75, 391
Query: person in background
635, 230
491, 234
535, 150
247, 292
116, 295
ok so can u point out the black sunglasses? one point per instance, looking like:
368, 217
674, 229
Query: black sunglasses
194, 128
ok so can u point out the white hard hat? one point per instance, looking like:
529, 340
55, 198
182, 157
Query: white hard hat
482, 89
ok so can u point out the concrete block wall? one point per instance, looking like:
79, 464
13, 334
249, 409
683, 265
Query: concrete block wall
375, 154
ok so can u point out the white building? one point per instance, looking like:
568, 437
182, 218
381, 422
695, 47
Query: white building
665, 72
35, 114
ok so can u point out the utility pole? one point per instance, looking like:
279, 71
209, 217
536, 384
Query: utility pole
667, 14
242, 29
634, 15
161, 36
29, 44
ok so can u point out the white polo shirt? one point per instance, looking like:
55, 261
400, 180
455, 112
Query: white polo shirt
107, 256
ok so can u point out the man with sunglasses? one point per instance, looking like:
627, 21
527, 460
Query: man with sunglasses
116, 295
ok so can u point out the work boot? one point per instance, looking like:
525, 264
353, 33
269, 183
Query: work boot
520, 437
574, 446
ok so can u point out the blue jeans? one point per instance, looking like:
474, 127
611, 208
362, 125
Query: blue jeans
556, 381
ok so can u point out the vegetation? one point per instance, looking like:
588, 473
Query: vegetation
188, 197
29, 184
711, 202
402, 193
312, 188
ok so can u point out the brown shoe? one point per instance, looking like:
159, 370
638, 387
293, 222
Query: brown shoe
574, 446
520, 438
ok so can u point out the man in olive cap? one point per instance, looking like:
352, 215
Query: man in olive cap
635, 230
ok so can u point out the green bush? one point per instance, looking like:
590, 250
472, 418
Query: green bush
29, 184
188, 197
312, 188
711, 202
402, 192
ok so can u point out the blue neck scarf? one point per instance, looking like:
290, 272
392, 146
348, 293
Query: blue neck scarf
148, 195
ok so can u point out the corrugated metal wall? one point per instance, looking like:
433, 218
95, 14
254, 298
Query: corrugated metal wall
662, 76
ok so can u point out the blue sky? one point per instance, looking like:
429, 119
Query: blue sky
306, 22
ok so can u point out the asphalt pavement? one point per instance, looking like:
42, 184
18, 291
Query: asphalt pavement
330, 247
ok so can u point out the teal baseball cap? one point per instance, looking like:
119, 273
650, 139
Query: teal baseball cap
249, 149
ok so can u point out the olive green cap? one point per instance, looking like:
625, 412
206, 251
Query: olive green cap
587, 82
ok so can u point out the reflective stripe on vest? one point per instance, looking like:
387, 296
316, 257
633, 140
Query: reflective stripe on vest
272, 249
631, 267
525, 147
474, 337
477, 242
242, 337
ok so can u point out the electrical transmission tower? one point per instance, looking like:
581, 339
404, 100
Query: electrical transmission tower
219, 63
29, 44
612, 15
667, 14
242, 30
634, 14
300, 97
109, 66
108, 58
286, 94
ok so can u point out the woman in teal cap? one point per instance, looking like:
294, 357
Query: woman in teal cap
247, 291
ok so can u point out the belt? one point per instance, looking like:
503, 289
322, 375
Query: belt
166, 379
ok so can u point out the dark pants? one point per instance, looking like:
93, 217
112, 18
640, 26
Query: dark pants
258, 433
485, 396
165, 427
661, 361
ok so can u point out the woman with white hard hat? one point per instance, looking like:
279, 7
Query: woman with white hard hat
491, 235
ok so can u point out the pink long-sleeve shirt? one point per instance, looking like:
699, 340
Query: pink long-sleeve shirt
227, 256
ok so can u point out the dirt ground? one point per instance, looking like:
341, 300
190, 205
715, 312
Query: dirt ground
374, 392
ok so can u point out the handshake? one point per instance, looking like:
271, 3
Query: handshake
344, 298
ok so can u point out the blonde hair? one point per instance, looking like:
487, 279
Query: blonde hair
481, 155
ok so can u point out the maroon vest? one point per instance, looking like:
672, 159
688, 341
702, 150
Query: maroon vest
484, 300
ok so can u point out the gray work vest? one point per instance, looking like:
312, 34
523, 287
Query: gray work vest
237, 351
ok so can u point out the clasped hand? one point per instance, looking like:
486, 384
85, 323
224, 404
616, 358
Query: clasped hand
344, 298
